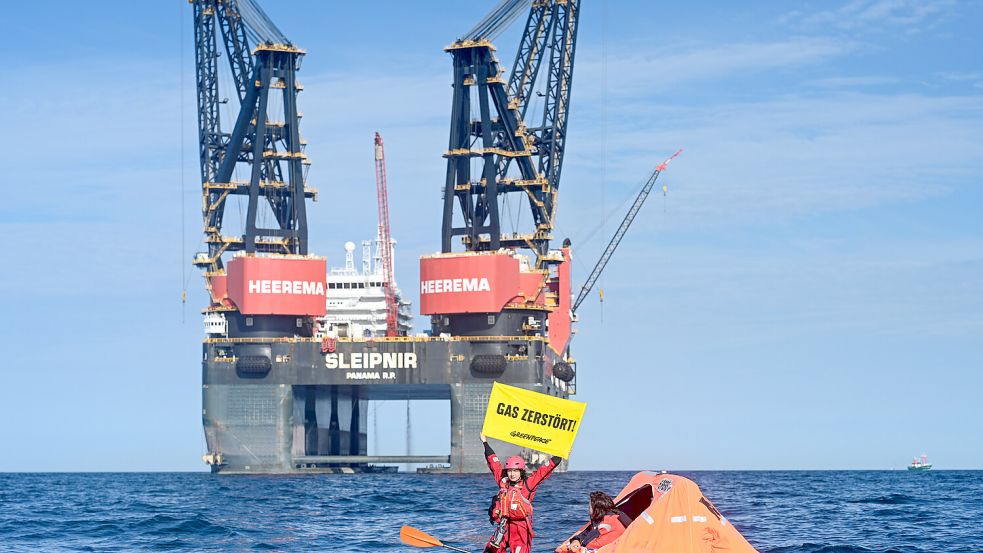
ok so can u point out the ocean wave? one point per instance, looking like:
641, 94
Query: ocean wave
830, 548
195, 524
889, 499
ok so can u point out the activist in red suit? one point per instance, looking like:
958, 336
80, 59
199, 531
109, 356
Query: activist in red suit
512, 507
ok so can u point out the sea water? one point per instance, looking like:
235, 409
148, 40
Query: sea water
787, 512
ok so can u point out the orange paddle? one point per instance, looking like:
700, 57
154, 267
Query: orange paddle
417, 538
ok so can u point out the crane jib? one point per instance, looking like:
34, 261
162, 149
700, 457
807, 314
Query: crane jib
636, 206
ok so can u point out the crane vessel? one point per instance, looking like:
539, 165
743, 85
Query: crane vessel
285, 378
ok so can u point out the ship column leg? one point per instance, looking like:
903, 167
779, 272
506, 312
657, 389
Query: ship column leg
284, 427
468, 404
457, 429
248, 427
310, 421
334, 428
354, 426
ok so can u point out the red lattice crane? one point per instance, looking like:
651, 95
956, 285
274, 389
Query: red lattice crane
385, 239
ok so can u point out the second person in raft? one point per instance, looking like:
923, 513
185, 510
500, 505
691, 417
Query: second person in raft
513, 509
607, 523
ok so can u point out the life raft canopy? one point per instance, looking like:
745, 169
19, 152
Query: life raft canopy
671, 515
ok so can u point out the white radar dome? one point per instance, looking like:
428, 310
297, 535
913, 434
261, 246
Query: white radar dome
349, 246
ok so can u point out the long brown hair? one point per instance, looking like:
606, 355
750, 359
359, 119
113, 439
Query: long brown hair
600, 505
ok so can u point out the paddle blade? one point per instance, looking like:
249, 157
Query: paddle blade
417, 538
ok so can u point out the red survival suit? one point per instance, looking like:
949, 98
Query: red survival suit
596, 535
515, 503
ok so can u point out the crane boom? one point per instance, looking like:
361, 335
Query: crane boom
385, 239
620, 233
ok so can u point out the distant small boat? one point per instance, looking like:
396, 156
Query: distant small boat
920, 463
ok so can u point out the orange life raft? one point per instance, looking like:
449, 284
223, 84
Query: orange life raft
670, 515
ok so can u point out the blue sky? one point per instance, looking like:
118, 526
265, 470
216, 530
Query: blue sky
808, 295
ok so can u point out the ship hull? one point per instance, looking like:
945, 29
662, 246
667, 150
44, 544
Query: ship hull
299, 405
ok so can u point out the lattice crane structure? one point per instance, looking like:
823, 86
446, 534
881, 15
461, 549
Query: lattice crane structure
516, 157
385, 239
265, 149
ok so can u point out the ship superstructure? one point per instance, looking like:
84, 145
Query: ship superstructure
356, 299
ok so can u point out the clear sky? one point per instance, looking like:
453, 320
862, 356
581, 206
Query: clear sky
809, 294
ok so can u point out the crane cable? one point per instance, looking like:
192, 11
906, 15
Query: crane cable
184, 274
604, 130
496, 20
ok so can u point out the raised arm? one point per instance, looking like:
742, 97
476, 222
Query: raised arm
542, 473
494, 465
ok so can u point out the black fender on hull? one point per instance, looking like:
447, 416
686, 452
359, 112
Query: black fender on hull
488, 365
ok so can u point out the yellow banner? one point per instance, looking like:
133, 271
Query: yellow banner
533, 420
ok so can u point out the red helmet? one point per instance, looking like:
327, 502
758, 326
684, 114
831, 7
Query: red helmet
515, 462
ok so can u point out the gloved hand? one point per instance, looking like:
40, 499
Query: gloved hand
572, 546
